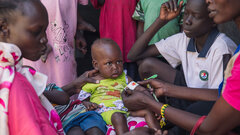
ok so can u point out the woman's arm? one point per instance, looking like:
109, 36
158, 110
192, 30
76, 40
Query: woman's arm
75, 86
195, 94
220, 120
166, 89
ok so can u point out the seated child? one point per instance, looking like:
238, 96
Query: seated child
107, 59
76, 120
201, 51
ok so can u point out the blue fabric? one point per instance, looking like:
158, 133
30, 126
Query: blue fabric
237, 50
221, 84
86, 121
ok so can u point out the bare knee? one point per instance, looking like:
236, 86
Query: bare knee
94, 131
146, 66
75, 131
117, 116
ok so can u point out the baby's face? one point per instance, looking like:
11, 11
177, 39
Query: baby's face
110, 64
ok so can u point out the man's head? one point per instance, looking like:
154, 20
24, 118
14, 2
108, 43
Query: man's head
196, 21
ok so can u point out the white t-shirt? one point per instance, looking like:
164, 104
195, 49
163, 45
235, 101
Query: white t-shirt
201, 70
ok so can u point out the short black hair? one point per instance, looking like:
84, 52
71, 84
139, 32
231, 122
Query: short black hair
105, 41
9, 7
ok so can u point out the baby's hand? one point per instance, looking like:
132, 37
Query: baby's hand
91, 106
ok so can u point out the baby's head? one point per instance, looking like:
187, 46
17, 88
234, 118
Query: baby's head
23, 23
196, 21
107, 58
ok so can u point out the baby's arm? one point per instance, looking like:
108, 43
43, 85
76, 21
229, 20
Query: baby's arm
56, 95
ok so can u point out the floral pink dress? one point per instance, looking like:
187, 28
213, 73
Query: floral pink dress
60, 66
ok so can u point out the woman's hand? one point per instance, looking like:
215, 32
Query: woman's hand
158, 87
80, 41
135, 100
86, 77
76, 86
170, 10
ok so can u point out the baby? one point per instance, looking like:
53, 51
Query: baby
105, 97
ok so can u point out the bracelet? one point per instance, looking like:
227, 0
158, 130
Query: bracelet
198, 124
162, 122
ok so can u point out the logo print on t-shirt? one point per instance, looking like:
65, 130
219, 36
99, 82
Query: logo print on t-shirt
203, 75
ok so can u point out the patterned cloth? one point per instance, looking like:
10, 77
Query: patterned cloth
132, 122
111, 100
70, 111
231, 87
74, 114
10, 67
62, 16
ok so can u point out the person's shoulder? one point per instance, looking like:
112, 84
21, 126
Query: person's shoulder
179, 38
176, 40
224, 40
224, 43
